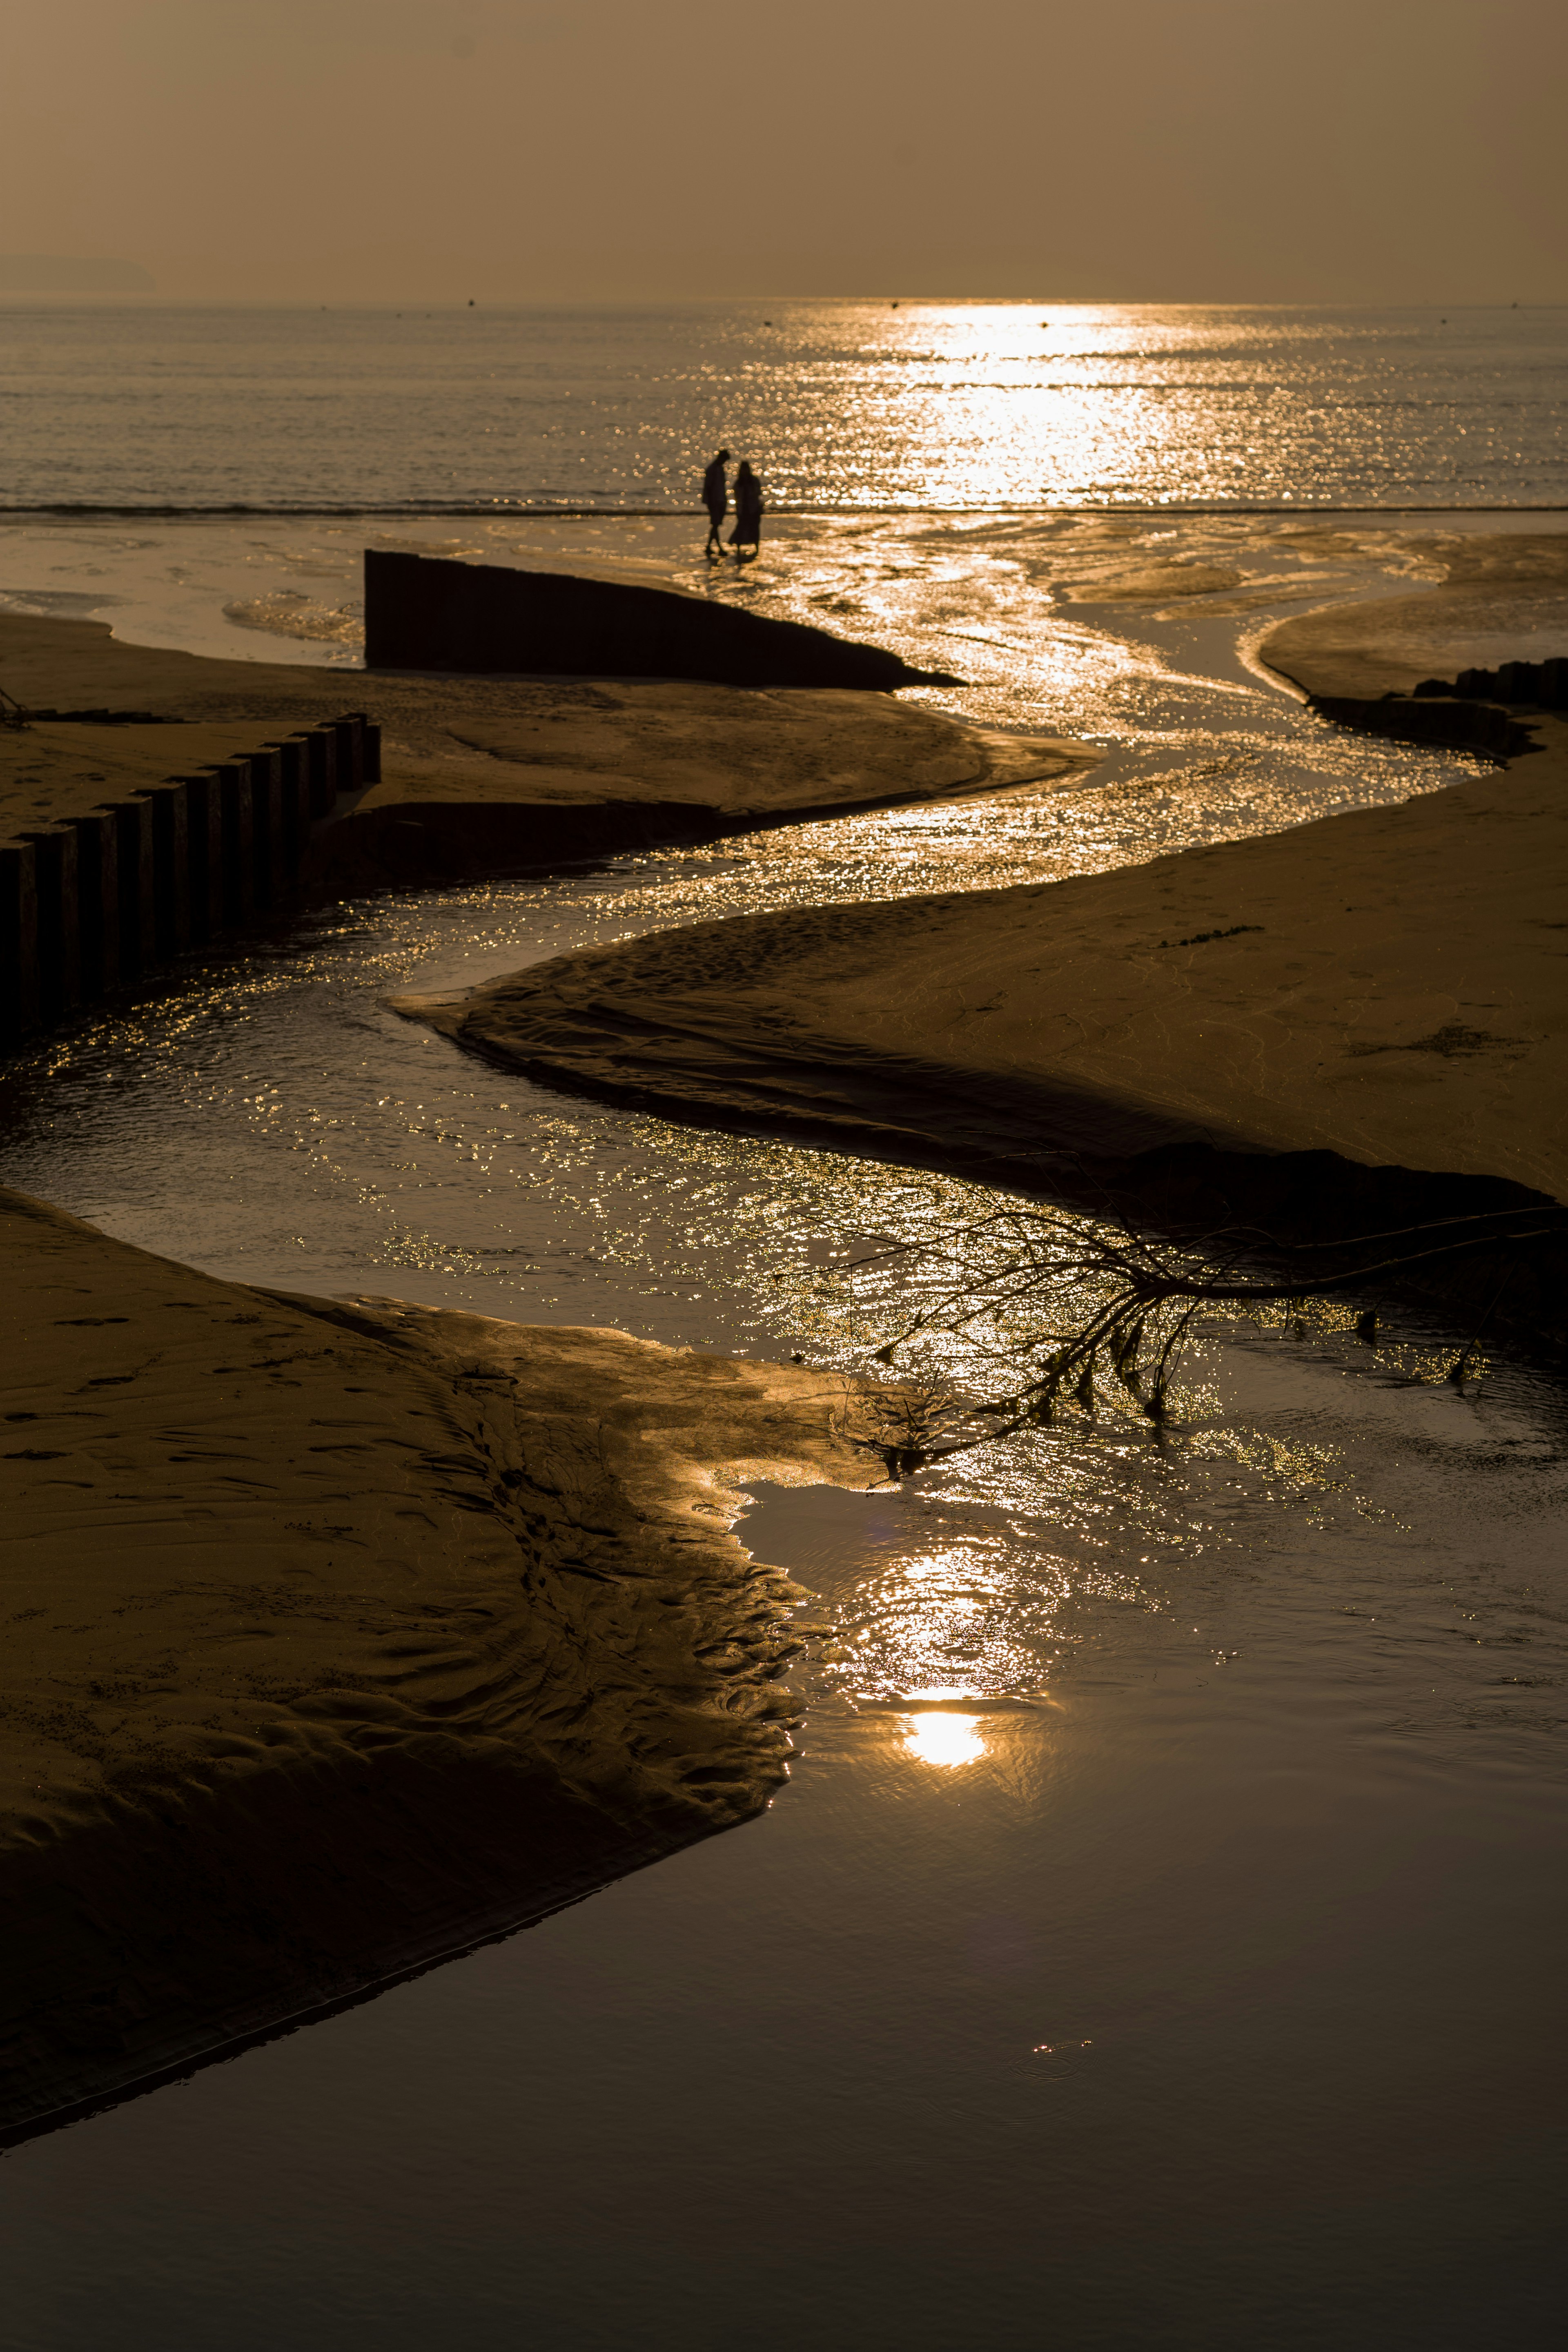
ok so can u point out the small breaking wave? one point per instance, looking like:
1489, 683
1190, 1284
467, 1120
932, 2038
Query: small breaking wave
289, 614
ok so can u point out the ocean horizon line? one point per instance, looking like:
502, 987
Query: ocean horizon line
521, 511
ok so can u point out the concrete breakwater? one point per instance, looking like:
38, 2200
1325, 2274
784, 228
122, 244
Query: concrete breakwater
427, 612
89, 903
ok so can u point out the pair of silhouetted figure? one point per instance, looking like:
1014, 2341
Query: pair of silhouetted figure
748, 530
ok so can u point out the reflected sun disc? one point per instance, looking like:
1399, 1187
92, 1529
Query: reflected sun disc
945, 1740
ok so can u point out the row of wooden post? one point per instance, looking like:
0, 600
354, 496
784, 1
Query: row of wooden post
94, 902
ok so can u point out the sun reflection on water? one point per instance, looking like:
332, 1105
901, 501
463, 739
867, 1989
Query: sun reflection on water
945, 1740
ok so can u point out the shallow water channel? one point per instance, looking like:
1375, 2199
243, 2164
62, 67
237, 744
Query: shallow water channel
1157, 1941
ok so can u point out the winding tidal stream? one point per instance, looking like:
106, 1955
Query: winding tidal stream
1157, 1942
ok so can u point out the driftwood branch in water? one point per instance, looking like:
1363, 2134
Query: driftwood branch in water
1079, 1302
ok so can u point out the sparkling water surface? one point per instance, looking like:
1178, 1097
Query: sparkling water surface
842, 404
1156, 1942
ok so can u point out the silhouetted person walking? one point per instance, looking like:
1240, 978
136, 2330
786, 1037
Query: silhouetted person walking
748, 530
716, 499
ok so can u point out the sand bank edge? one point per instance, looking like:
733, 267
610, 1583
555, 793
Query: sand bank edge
568, 1670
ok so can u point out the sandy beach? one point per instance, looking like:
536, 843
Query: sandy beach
491, 1630
1382, 986
783, 1176
394, 1628
482, 774
1498, 598
389, 1627
462, 1770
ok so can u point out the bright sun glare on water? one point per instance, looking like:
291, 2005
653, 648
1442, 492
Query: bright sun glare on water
945, 1741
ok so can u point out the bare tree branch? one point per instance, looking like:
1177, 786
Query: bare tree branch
1072, 1300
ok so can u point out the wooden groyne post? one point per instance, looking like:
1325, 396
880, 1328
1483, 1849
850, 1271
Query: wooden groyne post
97, 900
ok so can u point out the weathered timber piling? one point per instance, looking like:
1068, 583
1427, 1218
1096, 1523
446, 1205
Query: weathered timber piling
168, 812
204, 855
265, 827
321, 749
133, 850
102, 899
350, 734
238, 843
98, 903
18, 938
293, 803
59, 938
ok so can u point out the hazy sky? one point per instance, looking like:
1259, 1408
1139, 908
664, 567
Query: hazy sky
1157, 149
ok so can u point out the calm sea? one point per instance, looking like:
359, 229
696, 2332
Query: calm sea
843, 405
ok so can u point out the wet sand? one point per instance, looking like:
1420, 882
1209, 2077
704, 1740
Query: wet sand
483, 774
341, 1635
446, 1632
1384, 986
1499, 598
